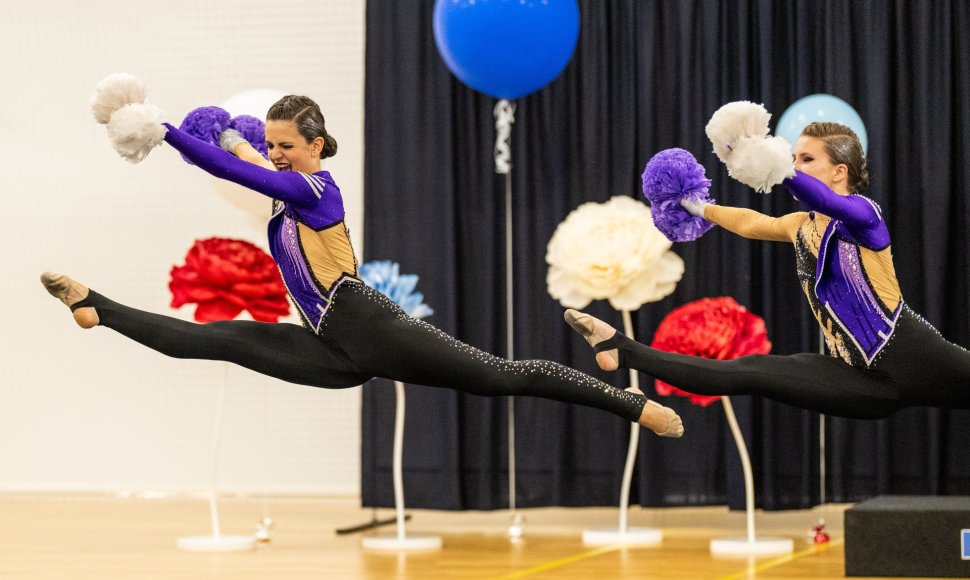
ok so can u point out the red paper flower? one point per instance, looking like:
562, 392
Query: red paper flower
225, 277
715, 328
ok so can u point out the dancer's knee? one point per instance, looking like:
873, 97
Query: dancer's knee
511, 380
539, 378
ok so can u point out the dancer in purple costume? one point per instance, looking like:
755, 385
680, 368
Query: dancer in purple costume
350, 333
884, 356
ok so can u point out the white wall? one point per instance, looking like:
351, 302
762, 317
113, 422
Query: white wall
91, 410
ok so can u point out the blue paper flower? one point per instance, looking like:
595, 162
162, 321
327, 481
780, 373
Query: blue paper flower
384, 276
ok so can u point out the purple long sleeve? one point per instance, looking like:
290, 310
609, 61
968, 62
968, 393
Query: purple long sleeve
299, 189
860, 217
850, 209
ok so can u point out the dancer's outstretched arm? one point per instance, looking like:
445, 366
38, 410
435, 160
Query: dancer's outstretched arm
300, 189
754, 225
853, 210
747, 222
860, 214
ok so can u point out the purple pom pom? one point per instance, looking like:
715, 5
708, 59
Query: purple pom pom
205, 123
252, 130
670, 176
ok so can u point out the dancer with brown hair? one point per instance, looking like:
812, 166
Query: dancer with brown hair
350, 332
884, 356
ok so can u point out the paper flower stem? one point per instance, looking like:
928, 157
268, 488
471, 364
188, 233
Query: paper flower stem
631, 454
398, 458
745, 466
216, 444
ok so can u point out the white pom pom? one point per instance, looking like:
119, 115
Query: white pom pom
135, 130
113, 92
761, 163
736, 121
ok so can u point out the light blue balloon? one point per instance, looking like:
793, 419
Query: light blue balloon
820, 107
506, 48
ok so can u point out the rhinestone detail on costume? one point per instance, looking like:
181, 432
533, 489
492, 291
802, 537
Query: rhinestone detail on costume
873, 323
526, 370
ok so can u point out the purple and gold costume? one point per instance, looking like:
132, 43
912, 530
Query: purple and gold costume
308, 237
847, 275
884, 356
355, 333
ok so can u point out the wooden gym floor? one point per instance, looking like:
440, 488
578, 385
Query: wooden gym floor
96, 537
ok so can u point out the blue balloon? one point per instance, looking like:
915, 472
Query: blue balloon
506, 48
820, 107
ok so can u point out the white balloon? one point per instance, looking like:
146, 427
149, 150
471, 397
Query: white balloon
254, 102
256, 206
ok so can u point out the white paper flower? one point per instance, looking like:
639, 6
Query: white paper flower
611, 251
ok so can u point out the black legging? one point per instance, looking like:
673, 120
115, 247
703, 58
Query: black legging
364, 335
917, 367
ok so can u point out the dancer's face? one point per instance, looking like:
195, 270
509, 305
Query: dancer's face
289, 151
812, 159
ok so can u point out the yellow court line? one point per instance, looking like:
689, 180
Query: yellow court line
561, 562
781, 560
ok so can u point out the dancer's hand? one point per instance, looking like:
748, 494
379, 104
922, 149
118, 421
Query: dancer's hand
694, 207
233, 141
230, 139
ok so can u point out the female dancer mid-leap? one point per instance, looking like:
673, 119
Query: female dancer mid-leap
350, 332
884, 356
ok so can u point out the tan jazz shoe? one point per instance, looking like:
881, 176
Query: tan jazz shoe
74, 295
599, 335
675, 426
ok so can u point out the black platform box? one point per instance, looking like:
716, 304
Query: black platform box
903, 535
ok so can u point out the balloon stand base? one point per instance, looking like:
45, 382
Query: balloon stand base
763, 546
398, 544
216, 543
614, 536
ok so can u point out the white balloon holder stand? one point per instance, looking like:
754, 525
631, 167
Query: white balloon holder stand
388, 543
750, 545
624, 534
504, 113
617, 536
763, 546
399, 542
216, 542
516, 529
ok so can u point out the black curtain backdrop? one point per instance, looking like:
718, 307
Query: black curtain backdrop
647, 75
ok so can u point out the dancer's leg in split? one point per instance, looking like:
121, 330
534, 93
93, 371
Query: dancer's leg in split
284, 351
930, 370
815, 382
364, 335
382, 340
